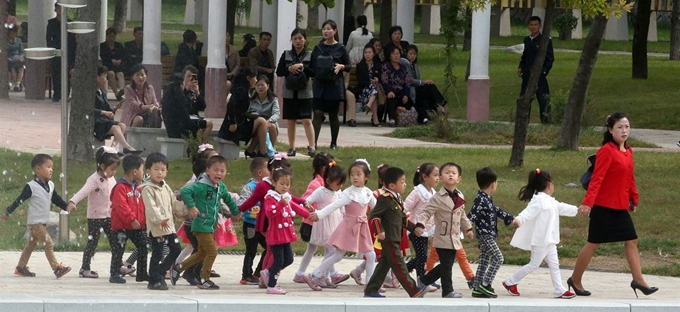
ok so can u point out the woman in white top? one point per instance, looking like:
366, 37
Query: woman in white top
358, 39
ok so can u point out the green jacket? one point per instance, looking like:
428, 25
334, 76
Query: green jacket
388, 216
208, 199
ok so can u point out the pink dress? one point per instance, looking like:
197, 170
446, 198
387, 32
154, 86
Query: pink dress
352, 234
323, 229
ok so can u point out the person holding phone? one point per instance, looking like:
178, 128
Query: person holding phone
182, 101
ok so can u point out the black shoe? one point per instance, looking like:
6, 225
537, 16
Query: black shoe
376, 124
174, 274
578, 292
478, 294
23, 272
488, 291
645, 290
208, 284
119, 95
117, 279
250, 154
157, 286
61, 270
142, 278
214, 274
291, 152
311, 152
131, 152
334, 147
352, 123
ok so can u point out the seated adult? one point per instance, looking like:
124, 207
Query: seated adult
396, 33
263, 114
140, 108
188, 51
375, 42
196, 101
24, 32
104, 123
232, 61
262, 58
15, 58
114, 57
248, 43
177, 110
368, 79
396, 83
134, 49
235, 126
425, 93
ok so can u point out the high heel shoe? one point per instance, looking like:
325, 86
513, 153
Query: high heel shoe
250, 154
578, 292
131, 152
645, 290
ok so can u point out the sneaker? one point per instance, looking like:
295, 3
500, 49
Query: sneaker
567, 295
260, 281
299, 279
127, 270
174, 275
312, 283
393, 123
276, 290
61, 270
373, 295
23, 272
214, 274
436, 285
453, 294
421, 292
117, 279
339, 278
329, 283
264, 278
476, 293
678, 143
250, 280
431, 288
209, 285
291, 153
487, 290
322, 283
356, 276
471, 283
512, 289
88, 273
17, 88
334, 147
157, 286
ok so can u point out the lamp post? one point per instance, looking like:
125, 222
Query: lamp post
47, 53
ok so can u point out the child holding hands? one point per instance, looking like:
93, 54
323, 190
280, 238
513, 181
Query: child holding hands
539, 231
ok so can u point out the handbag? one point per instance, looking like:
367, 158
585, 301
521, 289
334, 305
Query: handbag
407, 118
296, 82
585, 178
382, 97
225, 235
153, 119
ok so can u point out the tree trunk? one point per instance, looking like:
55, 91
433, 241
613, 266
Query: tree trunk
571, 123
4, 76
81, 121
119, 15
675, 31
385, 22
12, 7
313, 17
467, 35
231, 17
524, 102
641, 30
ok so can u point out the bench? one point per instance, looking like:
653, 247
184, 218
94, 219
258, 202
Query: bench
227, 149
172, 148
146, 139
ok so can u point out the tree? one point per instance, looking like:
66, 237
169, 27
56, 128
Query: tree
675, 31
4, 77
641, 30
385, 21
231, 17
81, 121
119, 15
12, 7
523, 110
313, 16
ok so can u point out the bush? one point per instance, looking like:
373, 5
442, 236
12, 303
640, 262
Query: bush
565, 24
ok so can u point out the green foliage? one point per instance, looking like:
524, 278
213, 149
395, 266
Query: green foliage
451, 26
565, 23
193, 141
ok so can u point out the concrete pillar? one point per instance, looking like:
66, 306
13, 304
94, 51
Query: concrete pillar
370, 17
337, 14
255, 19
478, 82
652, 34
578, 32
135, 10
152, 44
216, 71
39, 11
190, 12
430, 20
269, 21
539, 10
323, 14
405, 19
206, 23
103, 24
240, 14
285, 23
617, 28
394, 12
304, 13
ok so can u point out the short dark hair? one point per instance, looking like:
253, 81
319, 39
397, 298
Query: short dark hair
156, 158
216, 160
101, 69
334, 173
609, 123
392, 175
111, 30
485, 177
265, 33
199, 166
394, 29
450, 164
189, 68
535, 18
132, 162
189, 36
40, 159
281, 172
137, 28
258, 163
391, 49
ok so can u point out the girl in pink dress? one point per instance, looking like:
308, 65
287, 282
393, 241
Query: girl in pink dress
280, 210
352, 234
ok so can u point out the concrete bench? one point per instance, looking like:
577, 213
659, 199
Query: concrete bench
172, 148
227, 149
145, 139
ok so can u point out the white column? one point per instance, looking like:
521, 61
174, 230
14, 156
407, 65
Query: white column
269, 21
240, 14
478, 82
255, 19
135, 10
190, 12
304, 13
39, 11
323, 14
216, 71
617, 28
394, 12
285, 24
430, 19
152, 44
405, 9
539, 10
652, 34
104, 20
578, 32
370, 17
337, 14
206, 23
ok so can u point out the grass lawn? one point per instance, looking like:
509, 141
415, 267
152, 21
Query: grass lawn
658, 245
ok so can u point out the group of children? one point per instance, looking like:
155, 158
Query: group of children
376, 224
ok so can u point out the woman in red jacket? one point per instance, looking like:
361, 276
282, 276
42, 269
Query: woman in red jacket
611, 195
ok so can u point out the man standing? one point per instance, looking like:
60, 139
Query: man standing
262, 58
532, 45
53, 40
133, 48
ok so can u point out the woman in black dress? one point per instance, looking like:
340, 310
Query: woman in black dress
236, 127
178, 106
104, 123
113, 56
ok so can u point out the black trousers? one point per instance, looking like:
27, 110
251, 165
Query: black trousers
390, 258
56, 79
428, 98
95, 227
252, 239
283, 257
160, 265
117, 240
442, 271
542, 95
420, 246
392, 104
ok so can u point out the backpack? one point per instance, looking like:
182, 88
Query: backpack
296, 82
325, 67
585, 178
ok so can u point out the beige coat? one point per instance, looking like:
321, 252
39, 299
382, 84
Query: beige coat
448, 221
159, 202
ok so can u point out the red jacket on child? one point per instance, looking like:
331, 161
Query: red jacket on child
281, 227
126, 206
261, 189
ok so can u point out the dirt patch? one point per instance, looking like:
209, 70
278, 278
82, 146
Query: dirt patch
619, 263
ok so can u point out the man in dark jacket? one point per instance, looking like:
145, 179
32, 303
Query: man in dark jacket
532, 45
53, 40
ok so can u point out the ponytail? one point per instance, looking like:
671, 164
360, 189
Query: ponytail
423, 170
538, 182
362, 21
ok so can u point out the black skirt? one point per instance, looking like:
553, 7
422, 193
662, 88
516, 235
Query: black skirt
610, 225
294, 109
305, 232
102, 125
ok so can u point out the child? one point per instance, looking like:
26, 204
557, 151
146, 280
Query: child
159, 203
448, 209
280, 212
388, 220
97, 189
484, 215
425, 179
334, 178
258, 171
128, 220
539, 231
39, 193
352, 234
203, 198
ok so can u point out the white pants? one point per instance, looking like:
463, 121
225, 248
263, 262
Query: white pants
538, 254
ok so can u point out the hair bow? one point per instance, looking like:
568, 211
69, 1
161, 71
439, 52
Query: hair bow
538, 171
363, 160
204, 147
109, 150
331, 164
279, 156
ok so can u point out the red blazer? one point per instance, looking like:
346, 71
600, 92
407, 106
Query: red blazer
126, 206
612, 184
281, 227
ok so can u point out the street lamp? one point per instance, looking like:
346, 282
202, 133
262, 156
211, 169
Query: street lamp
47, 53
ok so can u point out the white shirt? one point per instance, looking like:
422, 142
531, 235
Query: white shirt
540, 222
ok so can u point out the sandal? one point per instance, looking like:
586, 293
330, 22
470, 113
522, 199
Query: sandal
88, 274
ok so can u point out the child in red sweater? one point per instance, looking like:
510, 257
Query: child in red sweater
280, 211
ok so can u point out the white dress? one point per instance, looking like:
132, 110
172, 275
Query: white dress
323, 229
356, 43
